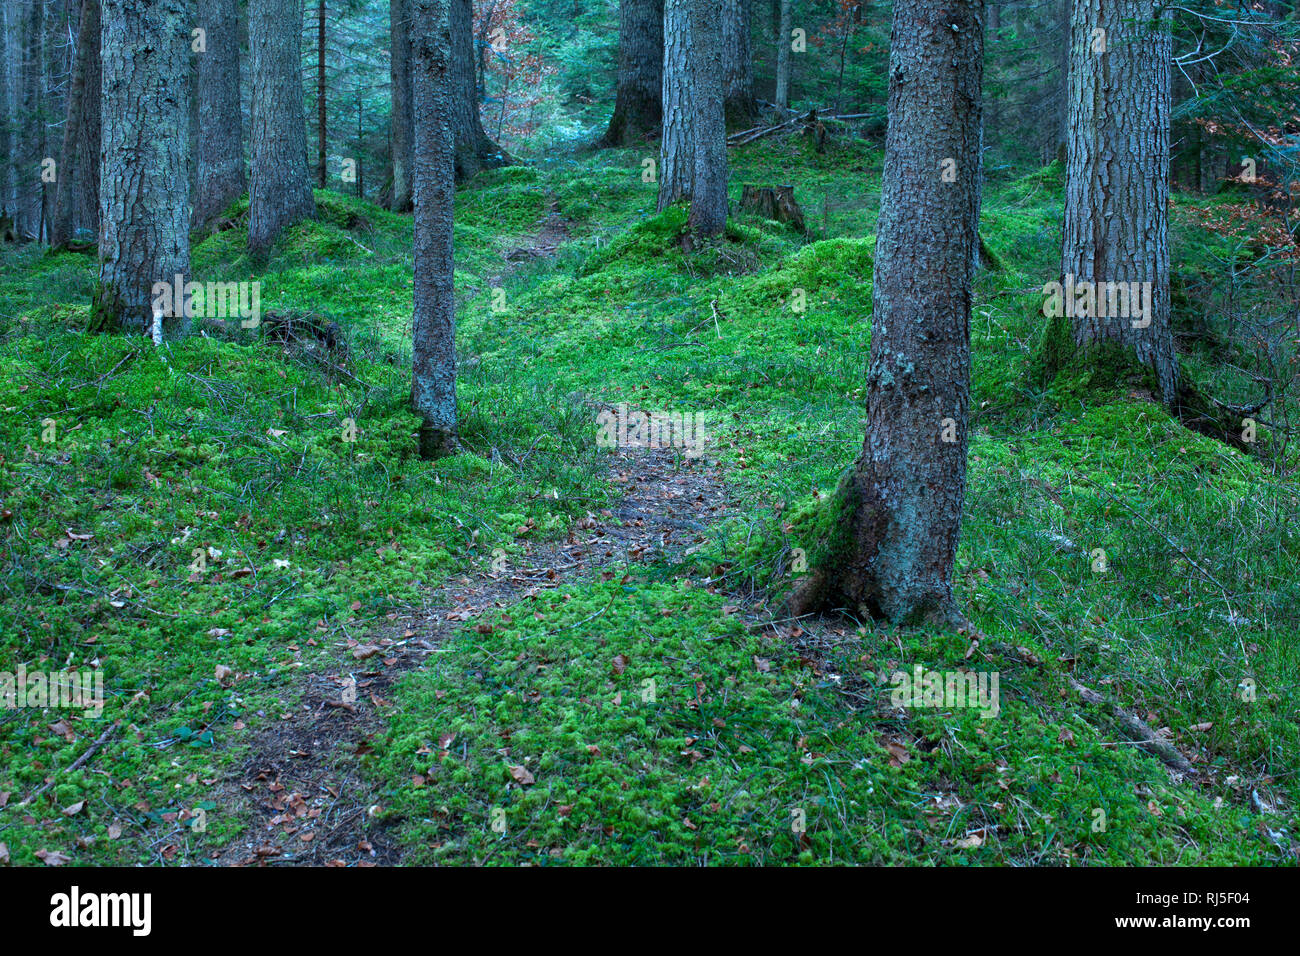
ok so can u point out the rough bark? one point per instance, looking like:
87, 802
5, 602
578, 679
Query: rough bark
783, 53
433, 380
638, 104
474, 151
322, 123
279, 190
895, 518
31, 127
144, 175
221, 177
1117, 185
402, 116
6, 126
76, 197
677, 146
709, 194
737, 65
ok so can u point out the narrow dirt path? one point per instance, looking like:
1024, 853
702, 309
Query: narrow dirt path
301, 793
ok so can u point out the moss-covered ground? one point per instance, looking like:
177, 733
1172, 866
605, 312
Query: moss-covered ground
655, 723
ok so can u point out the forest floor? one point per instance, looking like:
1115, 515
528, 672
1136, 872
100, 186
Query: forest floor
319, 649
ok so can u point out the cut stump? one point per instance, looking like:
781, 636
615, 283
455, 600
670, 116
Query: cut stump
773, 202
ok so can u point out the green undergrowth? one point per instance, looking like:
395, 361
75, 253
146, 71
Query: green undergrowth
234, 444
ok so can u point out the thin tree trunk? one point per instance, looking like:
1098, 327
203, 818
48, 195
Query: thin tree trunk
6, 125
474, 150
894, 537
1117, 190
403, 117
279, 190
144, 175
76, 198
638, 104
709, 195
322, 142
677, 146
221, 177
783, 52
433, 380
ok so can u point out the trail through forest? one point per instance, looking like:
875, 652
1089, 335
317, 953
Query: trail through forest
302, 793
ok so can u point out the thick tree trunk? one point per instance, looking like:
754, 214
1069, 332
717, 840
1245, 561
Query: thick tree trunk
402, 116
144, 175
279, 191
737, 65
677, 147
783, 52
433, 380
76, 198
221, 178
709, 194
1117, 191
474, 150
638, 105
899, 509
322, 125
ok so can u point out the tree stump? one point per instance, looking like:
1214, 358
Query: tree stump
773, 202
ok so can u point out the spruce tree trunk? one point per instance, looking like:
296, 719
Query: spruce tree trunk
474, 150
638, 105
709, 193
144, 176
737, 65
1117, 184
6, 127
76, 198
783, 52
279, 190
898, 510
677, 147
221, 178
402, 116
322, 127
433, 380
32, 139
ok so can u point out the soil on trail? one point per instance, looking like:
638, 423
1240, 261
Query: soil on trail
302, 795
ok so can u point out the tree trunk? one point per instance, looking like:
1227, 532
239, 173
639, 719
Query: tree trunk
403, 117
783, 52
709, 195
31, 129
221, 178
6, 127
322, 140
677, 147
737, 66
1117, 192
279, 192
144, 176
76, 197
898, 510
433, 380
638, 105
474, 151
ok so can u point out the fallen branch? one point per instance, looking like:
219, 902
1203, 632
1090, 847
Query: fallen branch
1145, 737
75, 765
